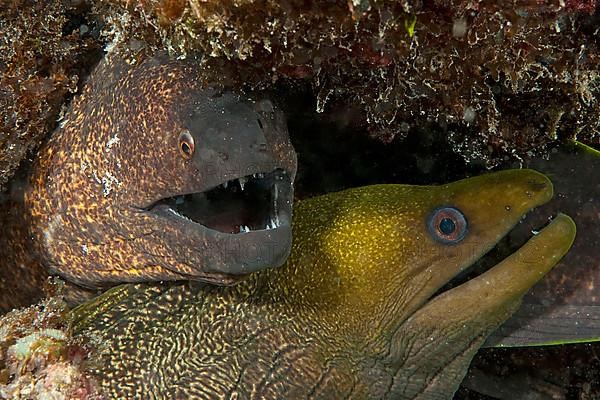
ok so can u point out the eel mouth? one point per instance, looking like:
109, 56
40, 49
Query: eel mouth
501, 250
255, 202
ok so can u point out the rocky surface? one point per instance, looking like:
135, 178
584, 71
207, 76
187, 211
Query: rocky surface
45, 48
38, 357
502, 82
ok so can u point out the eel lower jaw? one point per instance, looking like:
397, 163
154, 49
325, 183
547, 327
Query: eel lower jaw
248, 204
235, 228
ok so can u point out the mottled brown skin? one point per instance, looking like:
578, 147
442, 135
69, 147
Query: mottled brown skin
88, 211
349, 316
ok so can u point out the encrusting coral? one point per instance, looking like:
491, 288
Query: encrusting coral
38, 357
502, 79
42, 56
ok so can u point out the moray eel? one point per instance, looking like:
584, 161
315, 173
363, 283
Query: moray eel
352, 314
155, 175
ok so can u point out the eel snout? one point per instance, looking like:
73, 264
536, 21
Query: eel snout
490, 297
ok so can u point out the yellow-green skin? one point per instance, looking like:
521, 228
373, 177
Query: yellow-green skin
348, 316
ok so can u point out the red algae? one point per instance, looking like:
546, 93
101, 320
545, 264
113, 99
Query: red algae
503, 80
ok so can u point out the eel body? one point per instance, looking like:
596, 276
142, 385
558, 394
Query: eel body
353, 313
153, 175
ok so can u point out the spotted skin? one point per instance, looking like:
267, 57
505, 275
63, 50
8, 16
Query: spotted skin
86, 208
349, 316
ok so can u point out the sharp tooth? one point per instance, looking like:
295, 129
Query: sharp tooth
179, 215
275, 196
225, 185
243, 181
246, 229
261, 175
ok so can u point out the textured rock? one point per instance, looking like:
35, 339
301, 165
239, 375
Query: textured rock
503, 80
38, 357
44, 50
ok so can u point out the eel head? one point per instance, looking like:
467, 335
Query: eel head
154, 174
235, 198
387, 251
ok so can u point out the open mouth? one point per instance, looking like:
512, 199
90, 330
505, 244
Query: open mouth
510, 243
257, 202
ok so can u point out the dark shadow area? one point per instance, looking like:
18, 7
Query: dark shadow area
335, 152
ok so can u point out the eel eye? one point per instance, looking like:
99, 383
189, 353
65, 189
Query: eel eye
447, 225
186, 144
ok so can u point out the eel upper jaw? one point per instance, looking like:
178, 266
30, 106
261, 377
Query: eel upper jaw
251, 212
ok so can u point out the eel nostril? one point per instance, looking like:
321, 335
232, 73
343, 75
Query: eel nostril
537, 185
260, 147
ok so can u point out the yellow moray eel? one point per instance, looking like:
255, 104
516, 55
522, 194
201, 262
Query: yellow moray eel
152, 175
352, 313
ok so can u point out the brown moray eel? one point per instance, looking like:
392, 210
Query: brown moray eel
153, 175
352, 313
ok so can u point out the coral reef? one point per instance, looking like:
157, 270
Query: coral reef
38, 357
42, 55
503, 79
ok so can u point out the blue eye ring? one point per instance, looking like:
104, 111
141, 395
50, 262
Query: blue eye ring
447, 225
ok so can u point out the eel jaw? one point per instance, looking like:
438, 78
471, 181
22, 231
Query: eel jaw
240, 226
454, 324
260, 201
